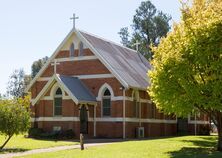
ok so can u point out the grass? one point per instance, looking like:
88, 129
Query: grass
20, 143
177, 147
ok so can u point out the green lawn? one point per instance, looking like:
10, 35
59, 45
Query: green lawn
177, 147
20, 143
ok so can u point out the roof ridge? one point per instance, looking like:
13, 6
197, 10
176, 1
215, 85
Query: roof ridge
104, 39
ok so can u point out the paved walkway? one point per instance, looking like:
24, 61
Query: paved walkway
90, 143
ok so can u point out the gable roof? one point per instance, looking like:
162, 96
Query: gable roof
78, 92
78, 89
128, 66
131, 66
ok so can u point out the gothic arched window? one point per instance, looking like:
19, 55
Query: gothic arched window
72, 50
106, 103
58, 102
80, 49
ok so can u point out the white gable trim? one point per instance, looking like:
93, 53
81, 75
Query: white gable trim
49, 61
80, 36
92, 76
54, 89
67, 90
79, 58
63, 87
44, 90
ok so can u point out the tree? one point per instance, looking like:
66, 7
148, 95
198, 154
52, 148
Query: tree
187, 65
15, 117
37, 65
27, 80
149, 25
16, 84
124, 35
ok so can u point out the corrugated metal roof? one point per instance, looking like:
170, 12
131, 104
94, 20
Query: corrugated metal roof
78, 89
127, 63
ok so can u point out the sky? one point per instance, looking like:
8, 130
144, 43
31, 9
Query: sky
32, 29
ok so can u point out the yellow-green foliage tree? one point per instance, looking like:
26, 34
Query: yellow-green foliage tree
14, 117
187, 65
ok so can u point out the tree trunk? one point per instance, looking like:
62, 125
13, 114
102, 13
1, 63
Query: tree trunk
6, 142
219, 145
218, 123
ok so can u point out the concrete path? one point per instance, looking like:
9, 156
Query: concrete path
53, 149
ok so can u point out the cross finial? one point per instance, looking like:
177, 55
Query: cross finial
137, 45
74, 19
55, 64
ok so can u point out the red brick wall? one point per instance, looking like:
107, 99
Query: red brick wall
159, 129
77, 68
116, 109
37, 87
109, 129
66, 53
95, 84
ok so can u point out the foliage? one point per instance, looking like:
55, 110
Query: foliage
177, 147
187, 67
15, 117
59, 135
124, 35
16, 84
149, 25
37, 65
27, 80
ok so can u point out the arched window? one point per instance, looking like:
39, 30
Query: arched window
72, 50
106, 103
58, 102
80, 49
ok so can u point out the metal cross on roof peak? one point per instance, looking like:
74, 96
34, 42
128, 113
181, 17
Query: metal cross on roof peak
74, 17
137, 45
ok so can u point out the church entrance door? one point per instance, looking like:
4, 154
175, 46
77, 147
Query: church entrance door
83, 120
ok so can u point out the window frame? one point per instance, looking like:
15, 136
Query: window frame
72, 46
81, 49
106, 97
57, 96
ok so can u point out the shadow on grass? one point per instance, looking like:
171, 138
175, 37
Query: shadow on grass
190, 152
12, 150
203, 148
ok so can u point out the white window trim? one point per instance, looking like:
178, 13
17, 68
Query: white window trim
70, 53
102, 90
100, 97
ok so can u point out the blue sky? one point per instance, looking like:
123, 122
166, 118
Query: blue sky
32, 29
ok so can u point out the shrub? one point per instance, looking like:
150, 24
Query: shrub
35, 132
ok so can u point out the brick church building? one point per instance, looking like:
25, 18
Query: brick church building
97, 87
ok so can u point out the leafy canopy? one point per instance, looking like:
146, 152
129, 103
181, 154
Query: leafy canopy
15, 117
16, 84
149, 25
37, 65
187, 65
